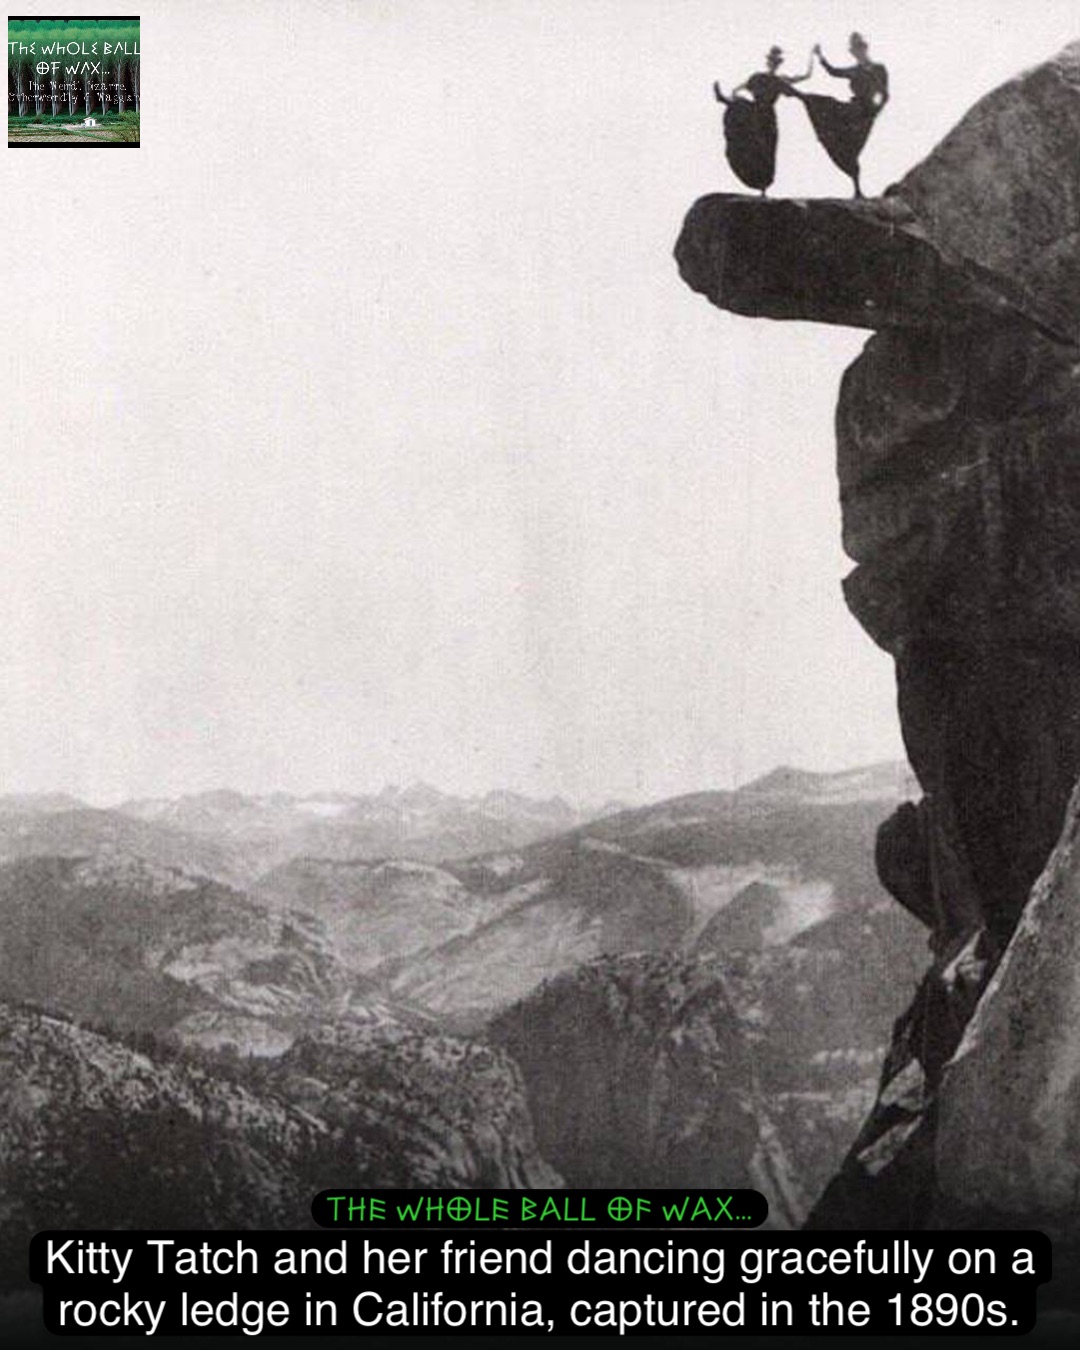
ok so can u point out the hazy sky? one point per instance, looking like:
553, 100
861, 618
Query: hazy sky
358, 427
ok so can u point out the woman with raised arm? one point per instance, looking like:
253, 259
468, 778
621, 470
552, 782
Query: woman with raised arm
750, 130
843, 128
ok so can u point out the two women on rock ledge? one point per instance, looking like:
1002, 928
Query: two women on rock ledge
750, 127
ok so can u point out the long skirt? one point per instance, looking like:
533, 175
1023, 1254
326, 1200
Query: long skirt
841, 127
750, 133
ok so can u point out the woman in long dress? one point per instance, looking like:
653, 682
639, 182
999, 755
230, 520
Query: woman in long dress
843, 128
750, 130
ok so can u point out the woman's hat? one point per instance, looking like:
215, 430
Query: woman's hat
775, 53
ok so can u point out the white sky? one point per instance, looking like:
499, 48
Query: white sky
358, 427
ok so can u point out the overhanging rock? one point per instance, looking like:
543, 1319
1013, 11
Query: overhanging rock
863, 264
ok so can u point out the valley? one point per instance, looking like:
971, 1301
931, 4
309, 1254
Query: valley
689, 993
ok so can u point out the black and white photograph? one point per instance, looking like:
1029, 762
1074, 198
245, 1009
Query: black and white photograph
541, 613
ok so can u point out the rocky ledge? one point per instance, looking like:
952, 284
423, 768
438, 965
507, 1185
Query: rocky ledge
864, 264
986, 225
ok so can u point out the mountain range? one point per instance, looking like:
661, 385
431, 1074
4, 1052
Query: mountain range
698, 873
235, 837
691, 992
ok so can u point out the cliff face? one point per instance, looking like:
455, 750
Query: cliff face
960, 483
99, 1134
415, 1108
108, 1133
958, 433
1029, 1163
747, 1067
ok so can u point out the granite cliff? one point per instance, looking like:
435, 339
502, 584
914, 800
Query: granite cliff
132, 1132
749, 1066
958, 436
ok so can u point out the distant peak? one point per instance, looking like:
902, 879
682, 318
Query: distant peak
785, 778
38, 804
889, 780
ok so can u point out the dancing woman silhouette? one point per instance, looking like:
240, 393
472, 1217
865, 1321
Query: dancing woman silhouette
750, 129
843, 128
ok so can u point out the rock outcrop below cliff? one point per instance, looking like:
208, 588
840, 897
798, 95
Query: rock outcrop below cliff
132, 1133
958, 435
730, 1068
1019, 1066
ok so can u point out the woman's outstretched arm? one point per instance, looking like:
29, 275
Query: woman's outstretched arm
721, 97
798, 79
841, 72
